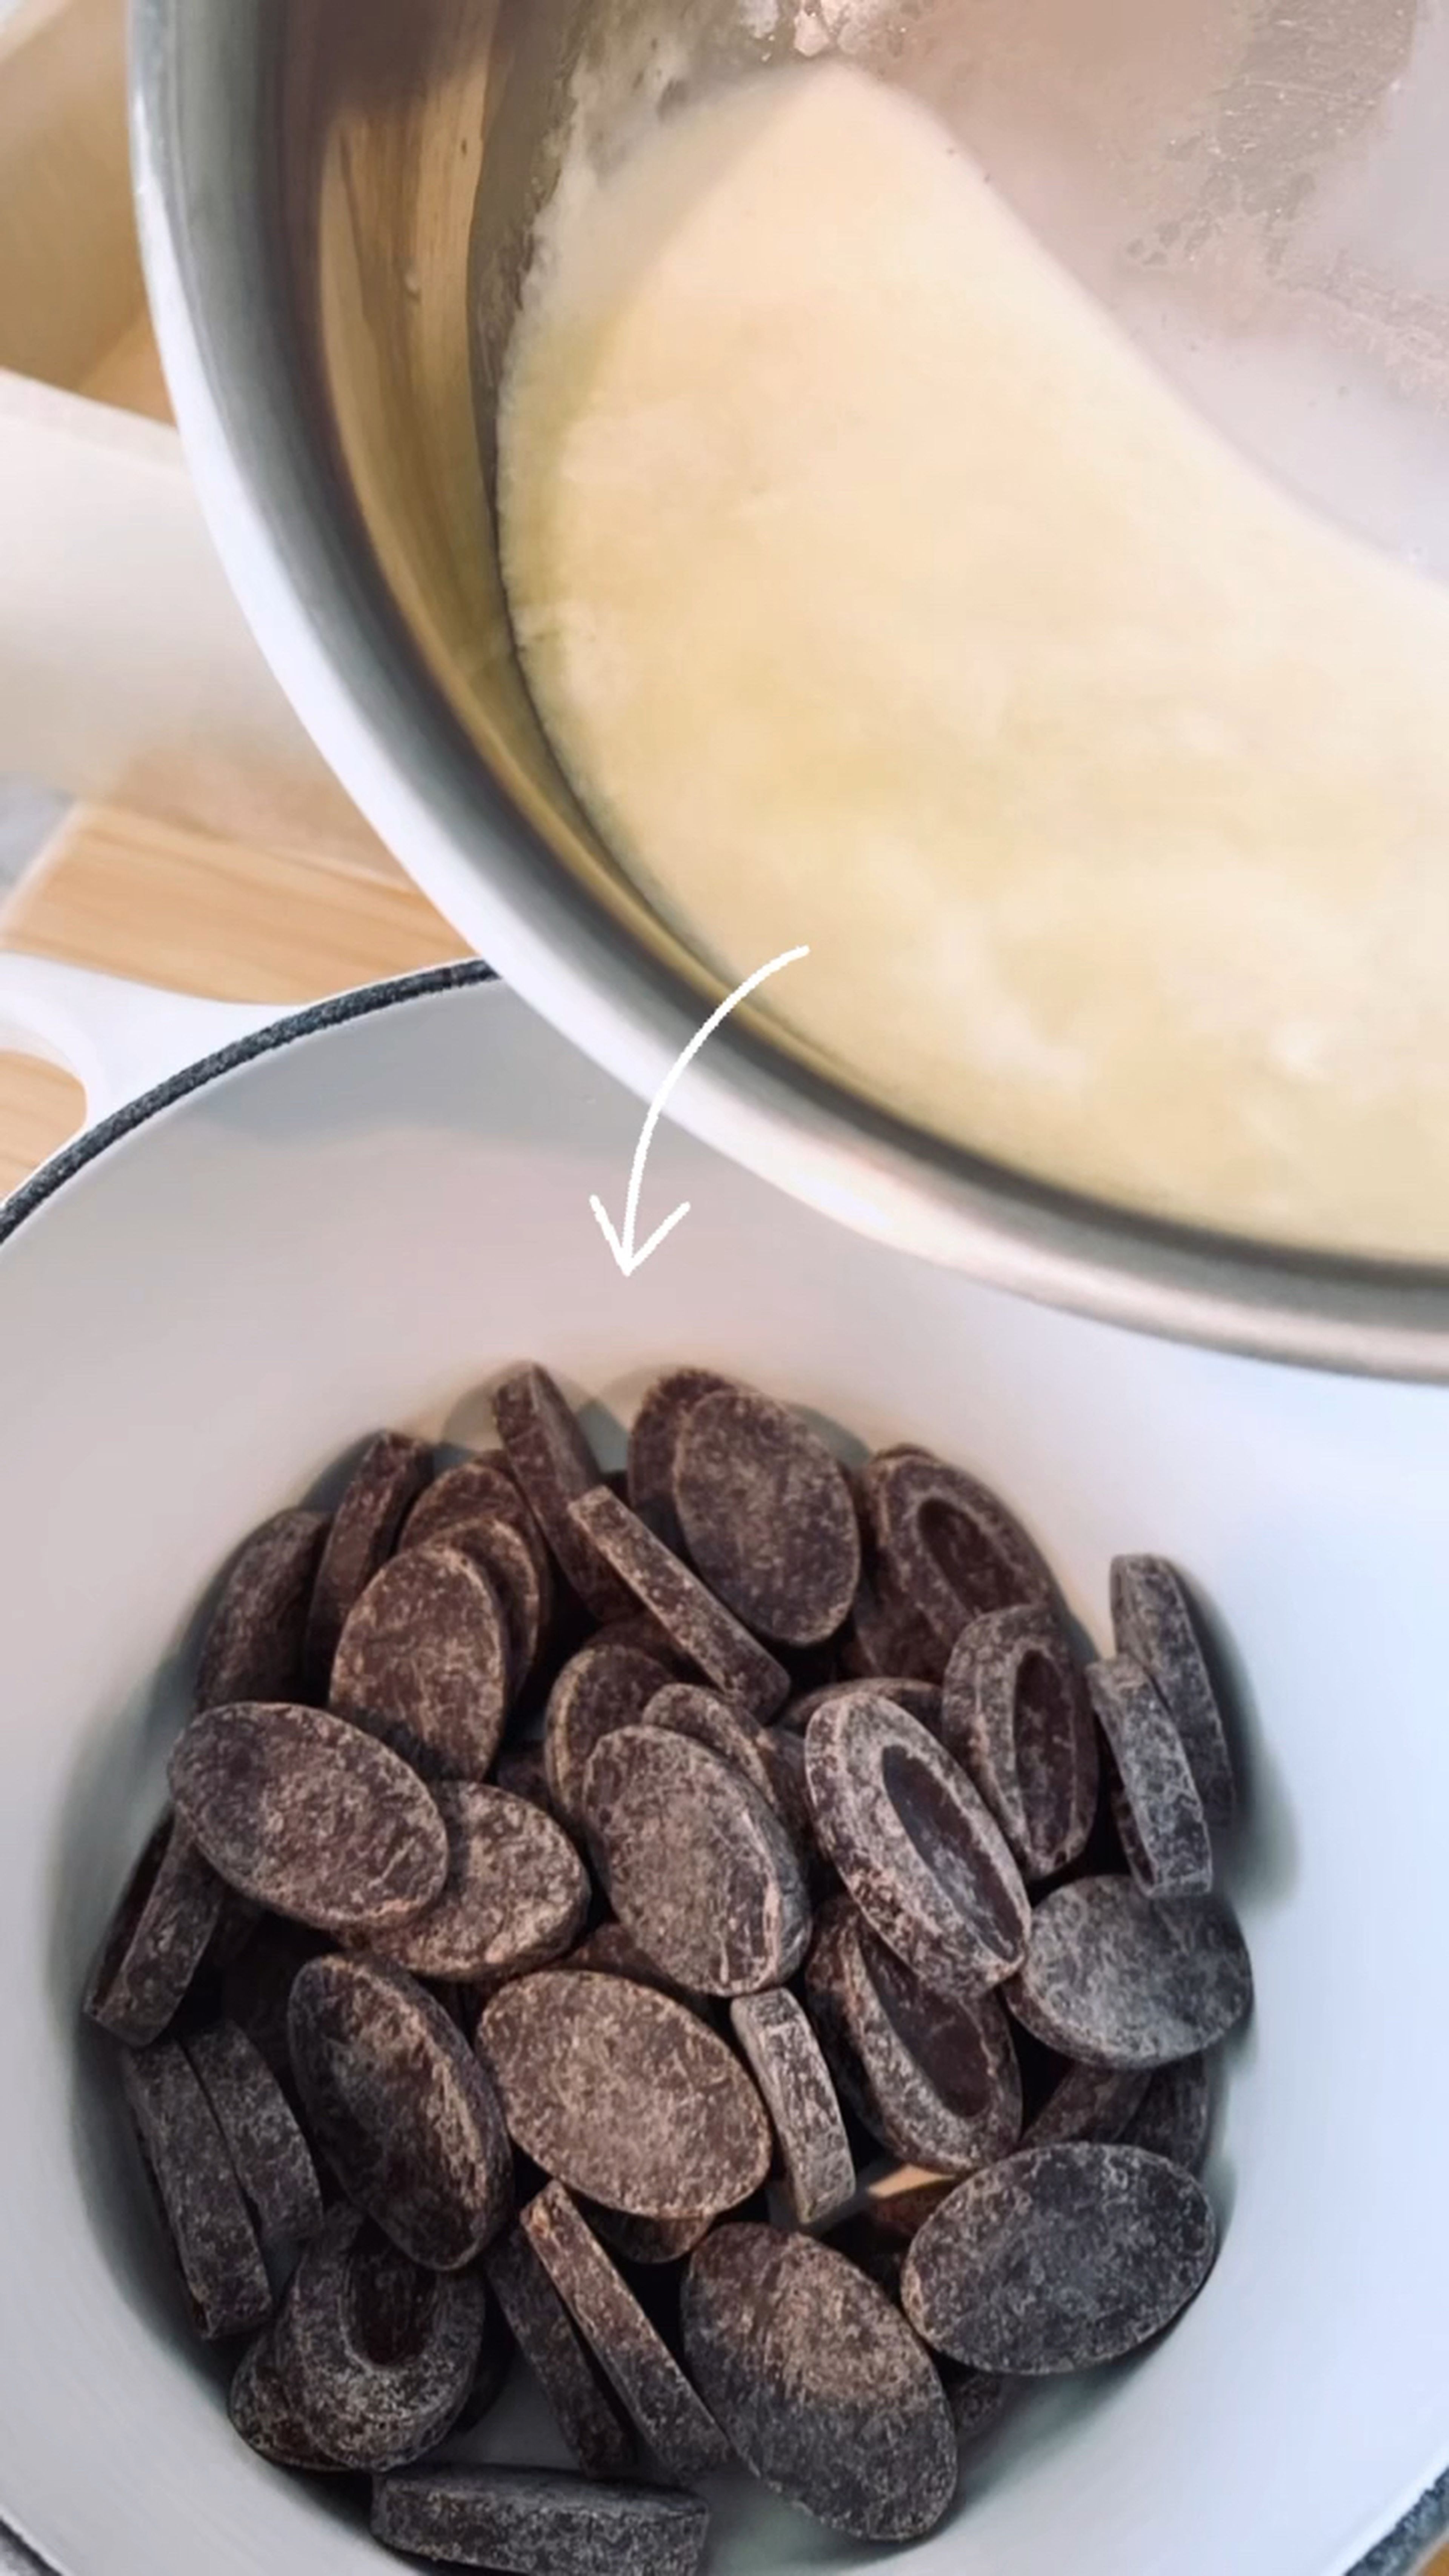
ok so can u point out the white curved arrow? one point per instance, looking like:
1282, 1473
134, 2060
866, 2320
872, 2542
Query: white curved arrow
623, 1245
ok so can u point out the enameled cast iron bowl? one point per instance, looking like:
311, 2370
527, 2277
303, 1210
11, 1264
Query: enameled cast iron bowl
360, 1219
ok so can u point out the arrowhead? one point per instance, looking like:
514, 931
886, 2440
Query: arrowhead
623, 1251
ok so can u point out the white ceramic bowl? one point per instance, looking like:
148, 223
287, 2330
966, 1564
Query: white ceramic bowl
359, 1220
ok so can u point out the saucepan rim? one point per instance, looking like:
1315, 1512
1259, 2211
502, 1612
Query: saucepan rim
337, 644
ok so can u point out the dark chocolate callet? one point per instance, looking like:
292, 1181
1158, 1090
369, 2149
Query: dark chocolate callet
772, 1760
516, 1894
624, 2094
265, 2413
935, 2080
378, 2356
554, 1465
1092, 2105
382, 1490
785, 2059
977, 2398
522, 1771
585, 2412
613, 1952
916, 1846
767, 1516
946, 1545
255, 1644
654, 1441
604, 1686
256, 1985
1015, 1714
478, 1488
649, 2242
1158, 1812
920, 1700
516, 1567
669, 2415
699, 1626
695, 1863
1058, 2259
819, 2383
424, 1662
214, 2241
1115, 1978
271, 2158
1174, 2117
310, 1817
397, 2102
1153, 1622
157, 1939
886, 1634
531, 2522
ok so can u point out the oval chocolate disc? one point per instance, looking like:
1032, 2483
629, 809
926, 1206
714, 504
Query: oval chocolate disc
924, 1860
624, 2094
767, 1516
653, 1441
310, 1817
400, 2107
1115, 1978
773, 1762
158, 1937
1058, 2259
254, 1645
424, 1662
886, 1634
785, 2058
212, 2237
265, 2413
1090, 2105
819, 2383
602, 1687
936, 2081
517, 1571
535, 2520
480, 1488
582, 2405
383, 1487
1152, 1621
671, 2419
378, 2356
920, 1700
1158, 1812
698, 1626
554, 1465
947, 1545
270, 2156
516, 1893
694, 1863
1174, 2116
1015, 1715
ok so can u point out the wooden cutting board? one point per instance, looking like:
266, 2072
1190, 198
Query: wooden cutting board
217, 918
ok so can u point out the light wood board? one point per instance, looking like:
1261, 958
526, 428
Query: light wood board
216, 918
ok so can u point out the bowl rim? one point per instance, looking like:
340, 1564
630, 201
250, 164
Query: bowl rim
335, 647
1403, 2548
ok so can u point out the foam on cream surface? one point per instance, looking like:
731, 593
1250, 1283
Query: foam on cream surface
877, 596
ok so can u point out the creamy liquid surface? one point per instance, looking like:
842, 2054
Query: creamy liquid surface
877, 597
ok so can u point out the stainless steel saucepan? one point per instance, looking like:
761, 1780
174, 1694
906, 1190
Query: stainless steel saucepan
336, 202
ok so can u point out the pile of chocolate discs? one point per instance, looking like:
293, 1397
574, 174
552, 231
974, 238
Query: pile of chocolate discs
702, 1931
